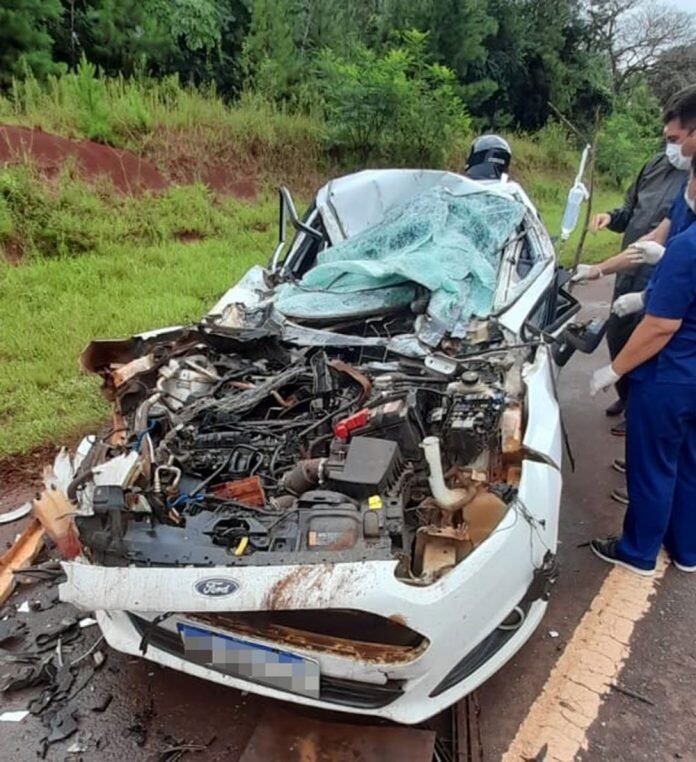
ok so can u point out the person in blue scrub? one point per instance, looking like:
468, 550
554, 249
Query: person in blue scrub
660, 359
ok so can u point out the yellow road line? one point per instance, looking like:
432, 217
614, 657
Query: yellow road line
592, 660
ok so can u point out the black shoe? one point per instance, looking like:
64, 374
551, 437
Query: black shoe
620, 495
606, 550
619, 429
616, 408
619, 464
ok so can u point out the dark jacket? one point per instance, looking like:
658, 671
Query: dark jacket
646, 204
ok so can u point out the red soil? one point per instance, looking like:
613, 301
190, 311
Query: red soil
129, 173
222, 181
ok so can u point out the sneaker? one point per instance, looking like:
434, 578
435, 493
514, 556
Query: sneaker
616, 408
619, 464
620, 495
619, 429
684, 568
606, 550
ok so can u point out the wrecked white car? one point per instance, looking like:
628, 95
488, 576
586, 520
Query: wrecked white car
341, 487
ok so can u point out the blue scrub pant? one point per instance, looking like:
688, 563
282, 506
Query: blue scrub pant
661, 473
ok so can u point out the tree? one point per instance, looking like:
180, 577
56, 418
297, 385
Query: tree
206, 38
539, 53
25, 43
271, 60
118, 36
200, 40
397, 107
629, 134
674, 69
634, 33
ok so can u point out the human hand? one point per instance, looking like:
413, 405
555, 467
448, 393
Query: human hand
600, 221
586, 272
602, 379
628, 304
645, 252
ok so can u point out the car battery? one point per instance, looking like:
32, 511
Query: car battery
396, 421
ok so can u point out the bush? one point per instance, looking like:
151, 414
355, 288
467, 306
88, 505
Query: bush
396, 108
629, 136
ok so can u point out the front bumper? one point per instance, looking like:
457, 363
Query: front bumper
459, 614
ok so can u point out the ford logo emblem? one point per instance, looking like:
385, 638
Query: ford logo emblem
215, 587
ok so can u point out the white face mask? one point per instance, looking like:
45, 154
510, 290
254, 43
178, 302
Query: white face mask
675, 156
690, 202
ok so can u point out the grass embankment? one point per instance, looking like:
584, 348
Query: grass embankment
183, 130
96, 264
50, 307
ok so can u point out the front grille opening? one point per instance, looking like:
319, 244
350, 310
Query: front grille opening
332, 689
345, 632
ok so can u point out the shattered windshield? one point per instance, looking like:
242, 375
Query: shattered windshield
441, 243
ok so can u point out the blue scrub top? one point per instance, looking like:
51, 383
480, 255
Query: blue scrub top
672, 295
680, 214
680, 217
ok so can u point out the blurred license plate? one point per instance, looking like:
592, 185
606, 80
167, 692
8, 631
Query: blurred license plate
251, 661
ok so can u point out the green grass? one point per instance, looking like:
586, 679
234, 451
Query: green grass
65, 217
51, 308
597, 247
124, 112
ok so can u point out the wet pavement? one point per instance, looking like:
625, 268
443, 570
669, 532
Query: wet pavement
155, 712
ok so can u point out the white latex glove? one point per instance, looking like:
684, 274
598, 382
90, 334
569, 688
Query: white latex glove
602, 379
628, 304
586, 272
645, 252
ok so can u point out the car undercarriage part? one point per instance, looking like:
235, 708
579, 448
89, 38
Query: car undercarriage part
256, 453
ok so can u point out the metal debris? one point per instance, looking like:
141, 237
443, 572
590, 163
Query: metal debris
67, 630
50, 571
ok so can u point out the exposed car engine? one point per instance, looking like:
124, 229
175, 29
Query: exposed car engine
261, 454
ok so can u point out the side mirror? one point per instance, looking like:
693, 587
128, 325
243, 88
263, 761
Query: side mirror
583, 337
286, 209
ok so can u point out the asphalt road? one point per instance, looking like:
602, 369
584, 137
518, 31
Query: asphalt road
153, 708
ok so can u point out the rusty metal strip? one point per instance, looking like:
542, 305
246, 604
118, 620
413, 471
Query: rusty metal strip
295, 737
